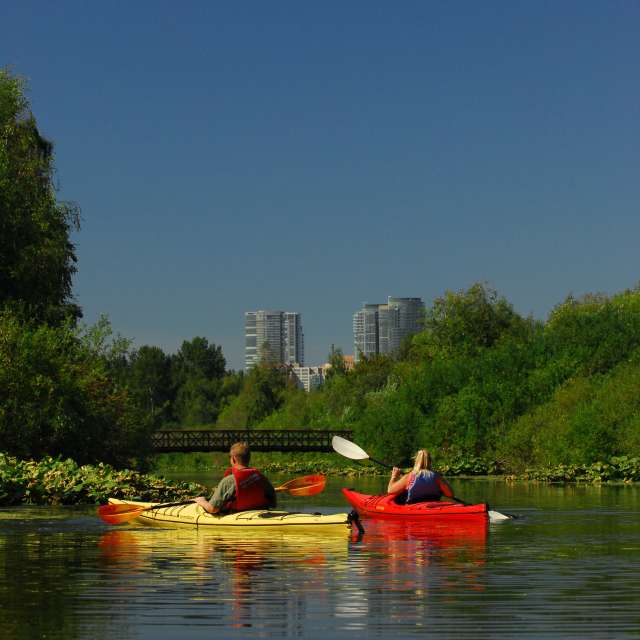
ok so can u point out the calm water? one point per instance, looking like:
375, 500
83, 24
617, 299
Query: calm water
569, 567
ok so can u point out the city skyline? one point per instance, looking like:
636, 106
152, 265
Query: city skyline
278, 337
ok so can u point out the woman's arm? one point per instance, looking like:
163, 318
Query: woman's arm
397, 483
444, 487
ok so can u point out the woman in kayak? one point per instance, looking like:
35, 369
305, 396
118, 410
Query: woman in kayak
421, 484
242, 487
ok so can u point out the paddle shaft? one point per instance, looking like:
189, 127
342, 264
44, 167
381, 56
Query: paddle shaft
169, 504
382, 464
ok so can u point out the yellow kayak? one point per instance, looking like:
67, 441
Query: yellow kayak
192, 515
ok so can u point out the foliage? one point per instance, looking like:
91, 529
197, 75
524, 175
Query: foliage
460, 465
59, 397
197, 371
466, 321
37, 257
298, 409
619, 468
587, 419
269, 462
149, 381
197, 401
389, 425
62, 481
488, 390
198, 359
595, 332
263, 392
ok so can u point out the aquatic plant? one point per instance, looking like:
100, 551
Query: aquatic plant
62, 481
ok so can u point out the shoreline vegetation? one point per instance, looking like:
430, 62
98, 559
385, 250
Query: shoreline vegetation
618, 469
52, 481
59, 481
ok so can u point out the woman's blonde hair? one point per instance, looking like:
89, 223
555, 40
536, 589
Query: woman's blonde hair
422, 461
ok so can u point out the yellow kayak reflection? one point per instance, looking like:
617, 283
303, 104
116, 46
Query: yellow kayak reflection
234, 562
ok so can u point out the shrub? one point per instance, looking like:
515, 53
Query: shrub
62, 481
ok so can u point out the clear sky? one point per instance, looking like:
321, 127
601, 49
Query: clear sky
313, 156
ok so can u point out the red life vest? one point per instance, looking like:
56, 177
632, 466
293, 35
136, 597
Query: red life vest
250, 490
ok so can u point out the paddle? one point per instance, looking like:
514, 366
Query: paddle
120, 513
351, 450
304, 486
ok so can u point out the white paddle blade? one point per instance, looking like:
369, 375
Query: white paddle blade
496, 516
348, 449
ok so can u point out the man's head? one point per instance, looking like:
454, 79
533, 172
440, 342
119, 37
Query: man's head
240, 453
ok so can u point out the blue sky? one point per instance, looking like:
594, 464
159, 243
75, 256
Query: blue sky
310, 157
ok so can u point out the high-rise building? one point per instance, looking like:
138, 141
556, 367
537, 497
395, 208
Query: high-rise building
273, 336
381, 328
293, 338
366, 330
408, 314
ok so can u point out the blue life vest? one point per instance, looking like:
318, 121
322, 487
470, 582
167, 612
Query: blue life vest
423, 486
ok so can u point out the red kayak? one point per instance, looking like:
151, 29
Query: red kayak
384, 507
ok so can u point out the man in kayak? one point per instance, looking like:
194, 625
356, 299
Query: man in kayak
242, 487
421, 484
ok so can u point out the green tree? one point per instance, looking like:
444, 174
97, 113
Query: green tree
198, 401
263, 392
58, 397
466, 321
149, 380
388, 425
198, 359
595, 332
37, 257
197, 372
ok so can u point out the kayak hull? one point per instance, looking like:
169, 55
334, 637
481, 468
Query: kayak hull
383, 506
192, 515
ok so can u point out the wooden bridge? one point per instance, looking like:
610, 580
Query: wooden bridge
259, 440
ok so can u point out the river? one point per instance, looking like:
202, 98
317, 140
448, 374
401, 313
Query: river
567, 567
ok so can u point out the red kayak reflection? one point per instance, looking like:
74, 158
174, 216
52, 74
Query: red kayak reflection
406, 554
459, 536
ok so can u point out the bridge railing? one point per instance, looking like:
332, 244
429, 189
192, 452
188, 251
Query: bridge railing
258, 440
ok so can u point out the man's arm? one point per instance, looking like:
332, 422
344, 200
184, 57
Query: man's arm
206, 505
224, 492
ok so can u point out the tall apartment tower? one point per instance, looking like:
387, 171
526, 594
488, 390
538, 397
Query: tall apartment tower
293, 339
381, 328
273, 336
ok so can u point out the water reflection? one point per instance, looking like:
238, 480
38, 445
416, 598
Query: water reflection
570, 568
408, 566
285, 581
233, 579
